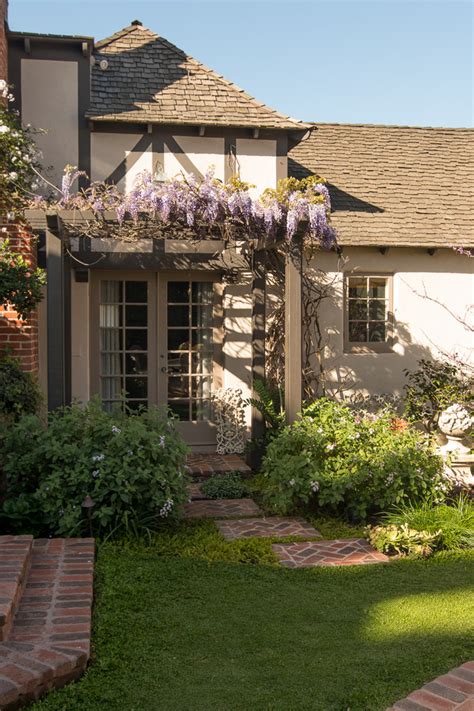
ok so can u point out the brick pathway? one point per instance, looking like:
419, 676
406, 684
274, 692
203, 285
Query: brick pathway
194, 491
205, 465
221, 508
48, 644
349, 551
275, 526
453, 691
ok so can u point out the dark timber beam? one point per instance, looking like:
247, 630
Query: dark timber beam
258, 336
293, 335
59, 318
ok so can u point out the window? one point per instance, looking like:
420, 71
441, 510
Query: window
190, 349
123, 342
368, 313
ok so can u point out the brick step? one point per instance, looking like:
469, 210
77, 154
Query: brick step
15, 558
204, 465
49, 641
453, 691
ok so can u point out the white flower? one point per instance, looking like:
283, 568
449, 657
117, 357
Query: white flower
162, 440
320, 430
116, 430
130, 453
314, 486
357, 435
291, 482
98, 457
166, 508
95, 473
4, 129
390, 479
330, 447
13, 175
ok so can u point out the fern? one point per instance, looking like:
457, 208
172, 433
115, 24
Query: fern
269, 402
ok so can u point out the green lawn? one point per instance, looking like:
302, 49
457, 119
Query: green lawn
182, 633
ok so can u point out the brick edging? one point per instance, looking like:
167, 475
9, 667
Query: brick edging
453, 691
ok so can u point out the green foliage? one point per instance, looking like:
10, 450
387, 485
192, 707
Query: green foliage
224, 486
303, 187
132, 466
200, 539
431, 388
19, 159
333, 527
269, 402
19, 391
20, 285
454, 520
348, 464
402, 540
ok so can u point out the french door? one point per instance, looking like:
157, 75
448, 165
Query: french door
156, 338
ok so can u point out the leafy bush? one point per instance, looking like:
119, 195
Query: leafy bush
454, 519
224, 486
130, 465
349, 464
19, 391
20, 284
402, 540
433, 387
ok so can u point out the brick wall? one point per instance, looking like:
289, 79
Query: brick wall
3, 39
18, 336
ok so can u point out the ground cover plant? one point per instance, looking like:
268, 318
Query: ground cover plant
349, 464
181, 633
93, 472
224, 486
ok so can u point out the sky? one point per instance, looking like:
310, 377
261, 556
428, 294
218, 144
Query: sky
406, 62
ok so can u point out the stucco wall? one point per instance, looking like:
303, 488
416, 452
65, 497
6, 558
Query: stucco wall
49, 99
118, 152
199, 153
257, 163
431, 301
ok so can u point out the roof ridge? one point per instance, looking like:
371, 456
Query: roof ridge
390, 125
121, 33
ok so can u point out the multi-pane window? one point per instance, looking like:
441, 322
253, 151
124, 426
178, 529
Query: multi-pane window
190, 348
368, 309
124, 342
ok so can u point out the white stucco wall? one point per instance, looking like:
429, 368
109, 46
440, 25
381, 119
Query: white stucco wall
49, 101
203, 152
257, 163
109, 150
238, 339
432, 297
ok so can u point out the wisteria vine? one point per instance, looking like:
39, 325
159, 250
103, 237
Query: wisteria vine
208, 207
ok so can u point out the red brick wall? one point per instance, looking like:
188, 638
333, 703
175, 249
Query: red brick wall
3, 40
17, 336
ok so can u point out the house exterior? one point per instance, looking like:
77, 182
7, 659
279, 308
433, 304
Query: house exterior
162, 320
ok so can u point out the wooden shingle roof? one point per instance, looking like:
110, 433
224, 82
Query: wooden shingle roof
394, 185
149, 80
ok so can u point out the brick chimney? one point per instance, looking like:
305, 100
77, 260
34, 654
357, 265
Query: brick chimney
3, 40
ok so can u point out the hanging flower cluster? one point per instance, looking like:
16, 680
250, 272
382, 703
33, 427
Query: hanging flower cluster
208, 206
19, 158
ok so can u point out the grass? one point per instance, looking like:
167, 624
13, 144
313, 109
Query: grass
177, 632
455, 521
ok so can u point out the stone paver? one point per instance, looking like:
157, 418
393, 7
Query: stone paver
206, 464
273, 527
453, 691
221, 508
194, 491
349, 551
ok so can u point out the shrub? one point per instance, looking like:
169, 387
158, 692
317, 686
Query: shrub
131, 466
402, 540
349, 464
224, 486
19, 392
454, 519
433, 387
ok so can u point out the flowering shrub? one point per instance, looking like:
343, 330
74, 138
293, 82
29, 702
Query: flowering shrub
206, 207
348, 463
130, 469
19, 158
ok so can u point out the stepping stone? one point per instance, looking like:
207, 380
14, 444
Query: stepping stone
207, 464
221, 508
194, 491
275, 526
348, 551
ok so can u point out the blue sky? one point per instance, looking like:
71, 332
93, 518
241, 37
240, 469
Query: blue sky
347, 61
